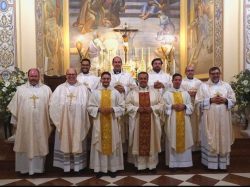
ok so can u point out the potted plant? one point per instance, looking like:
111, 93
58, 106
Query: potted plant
7, 91
241, 87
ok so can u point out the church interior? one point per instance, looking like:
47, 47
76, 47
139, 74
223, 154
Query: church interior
53, 35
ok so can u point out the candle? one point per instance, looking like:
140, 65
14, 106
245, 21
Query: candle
142, 54
173, 66
46, 65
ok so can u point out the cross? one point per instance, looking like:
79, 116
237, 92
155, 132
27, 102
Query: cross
71, 96
34, 100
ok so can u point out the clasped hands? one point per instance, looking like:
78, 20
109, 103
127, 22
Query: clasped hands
105, 110
178, 107
158, 85
144, 110
192, 93
120, 88
218, 100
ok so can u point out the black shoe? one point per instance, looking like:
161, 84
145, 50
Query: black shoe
99, 175
112, 174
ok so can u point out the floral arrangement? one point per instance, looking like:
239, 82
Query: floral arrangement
8, 89
241, 87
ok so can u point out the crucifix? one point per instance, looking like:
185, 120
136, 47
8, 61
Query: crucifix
71, 96
34, 100
126, 32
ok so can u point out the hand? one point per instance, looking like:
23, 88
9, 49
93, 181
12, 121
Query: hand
192, 93
218, 100
178, 107
158, 85
120, 88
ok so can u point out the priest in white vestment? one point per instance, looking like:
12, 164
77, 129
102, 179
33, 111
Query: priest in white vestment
161, 81
158, 79
30, 115
179, 138
106, 106
216, 99
122, 82
144, 106
68, 111
191, 85
85, 77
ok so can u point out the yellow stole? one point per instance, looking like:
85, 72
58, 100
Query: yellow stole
180, 124
106, 123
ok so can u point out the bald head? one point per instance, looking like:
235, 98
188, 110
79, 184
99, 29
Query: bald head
71, 75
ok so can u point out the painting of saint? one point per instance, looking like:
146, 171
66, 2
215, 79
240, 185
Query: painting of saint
200, 34
53, 37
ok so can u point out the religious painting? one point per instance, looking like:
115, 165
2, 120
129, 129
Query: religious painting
137, 31
50, 34
204, 35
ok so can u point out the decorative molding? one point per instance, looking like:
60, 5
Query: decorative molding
7, 37
218, 33
39, 34
246, 26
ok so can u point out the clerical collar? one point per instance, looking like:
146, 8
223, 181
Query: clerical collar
146, 88
190, 79
34, 86
85, 73
176, 89
117, 71
156, 71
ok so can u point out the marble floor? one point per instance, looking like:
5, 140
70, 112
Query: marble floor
237, 174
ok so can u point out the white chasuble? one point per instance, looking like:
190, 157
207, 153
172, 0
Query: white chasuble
105, 157
68, 111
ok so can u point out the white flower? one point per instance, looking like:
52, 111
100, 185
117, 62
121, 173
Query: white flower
245, 82
6, 84
21, 81
246, 90
4, 89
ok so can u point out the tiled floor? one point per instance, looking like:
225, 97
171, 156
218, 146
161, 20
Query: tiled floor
237, 174
225, 179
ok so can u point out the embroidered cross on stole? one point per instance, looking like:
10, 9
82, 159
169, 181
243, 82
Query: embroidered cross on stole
106, 123
144, 125
180, 124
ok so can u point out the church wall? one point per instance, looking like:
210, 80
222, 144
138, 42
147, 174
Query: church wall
26, 34
233, 38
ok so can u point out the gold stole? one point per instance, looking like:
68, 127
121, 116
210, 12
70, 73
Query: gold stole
106, 123
144, 125
180, 124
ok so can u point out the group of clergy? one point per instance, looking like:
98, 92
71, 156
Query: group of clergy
114, 114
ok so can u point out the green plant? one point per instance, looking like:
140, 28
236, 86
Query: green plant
8, 89
241, 87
